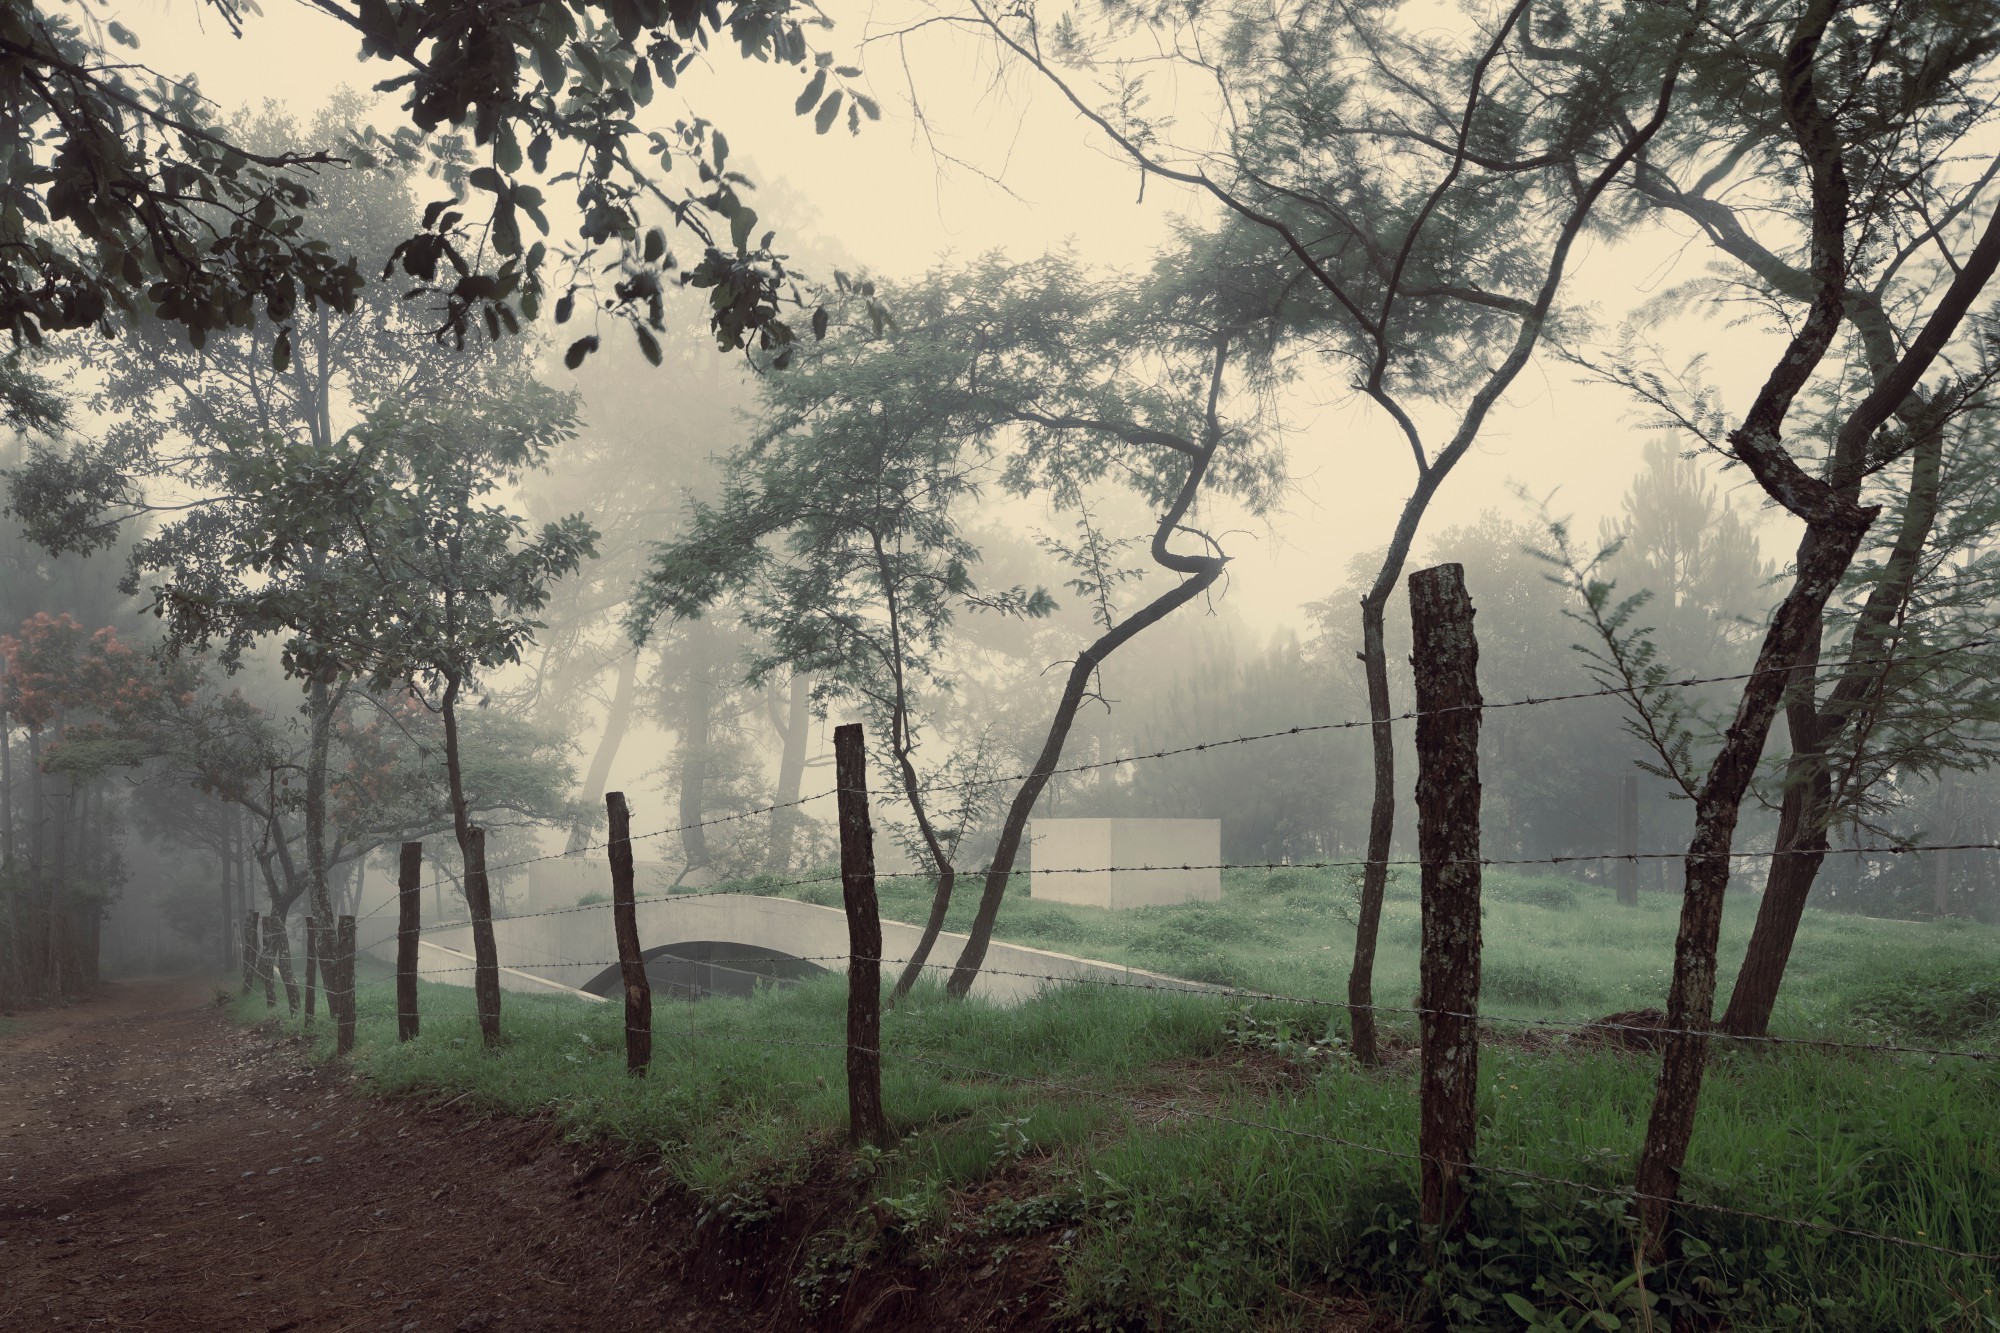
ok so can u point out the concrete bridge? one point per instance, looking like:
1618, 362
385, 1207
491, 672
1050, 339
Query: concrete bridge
723, 944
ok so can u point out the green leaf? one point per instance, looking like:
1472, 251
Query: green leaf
281, 351
1522, 1307
648, 343
868, 107
810, 96
828, 109
819, 323
740, 224
578, 350
656, 245
486, 178
506, 148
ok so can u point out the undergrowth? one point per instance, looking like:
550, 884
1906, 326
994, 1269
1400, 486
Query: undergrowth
1206, 1165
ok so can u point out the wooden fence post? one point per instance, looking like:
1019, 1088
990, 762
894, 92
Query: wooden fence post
249, 950
343, 1040
631, 967
1445, 655
865, 1121
1628, 841
409, 890
485, 953
312, 965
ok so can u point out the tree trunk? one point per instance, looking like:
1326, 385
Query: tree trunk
1628, 841
696, 719
278, 944
478, 903
1200, 574
228, 894
6, 786
791, 774
1941, 860
1807, 812
1824, 556
1445, 654
1800, 848
319, 710
616, 723
1381, 829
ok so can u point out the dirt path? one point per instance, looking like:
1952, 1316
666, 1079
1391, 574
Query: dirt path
165, 1170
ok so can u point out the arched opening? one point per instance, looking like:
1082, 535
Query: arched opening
691, 970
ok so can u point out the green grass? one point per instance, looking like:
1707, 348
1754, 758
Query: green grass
1554, 947
1193, 1209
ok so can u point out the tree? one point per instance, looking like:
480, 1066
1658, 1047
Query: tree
76, 693
128, 196
450, 581
840, 542
1845, 115
1065, 379
1422, 235
215, 420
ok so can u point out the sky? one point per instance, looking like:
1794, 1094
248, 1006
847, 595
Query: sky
999, 162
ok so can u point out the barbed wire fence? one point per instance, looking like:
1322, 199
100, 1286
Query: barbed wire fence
865, 1057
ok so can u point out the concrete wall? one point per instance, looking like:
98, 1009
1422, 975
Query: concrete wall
1065, 847
571, 947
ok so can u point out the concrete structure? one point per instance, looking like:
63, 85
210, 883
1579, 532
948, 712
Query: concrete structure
574, 949
1073, 859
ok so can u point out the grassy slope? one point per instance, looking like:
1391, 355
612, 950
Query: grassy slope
1186, 1217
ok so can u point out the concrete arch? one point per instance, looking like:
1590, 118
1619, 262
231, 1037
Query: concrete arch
699, 968
565, 949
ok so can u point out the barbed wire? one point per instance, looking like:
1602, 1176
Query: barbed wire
1190, 989
1497, 861
1180, 1108
1280, 733
1632, 1194
675, 897
636, 837
1529, 701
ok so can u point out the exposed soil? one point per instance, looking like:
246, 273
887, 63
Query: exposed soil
163, 1169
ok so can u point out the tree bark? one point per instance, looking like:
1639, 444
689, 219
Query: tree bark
1445, 653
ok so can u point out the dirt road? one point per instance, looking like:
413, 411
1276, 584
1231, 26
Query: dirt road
163, 1169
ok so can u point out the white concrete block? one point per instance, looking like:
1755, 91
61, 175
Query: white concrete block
1078, 861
